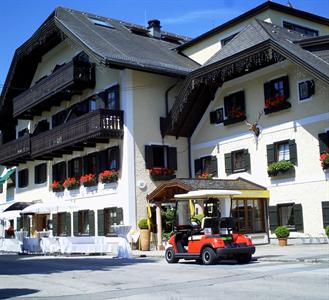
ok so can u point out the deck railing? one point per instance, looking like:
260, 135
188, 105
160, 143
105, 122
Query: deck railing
13, 151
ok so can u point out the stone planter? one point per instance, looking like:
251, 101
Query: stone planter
144, 240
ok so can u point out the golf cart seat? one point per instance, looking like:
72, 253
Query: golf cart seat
227, 225
210, 225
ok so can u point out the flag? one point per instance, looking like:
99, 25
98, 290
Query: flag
149, 215
192, 209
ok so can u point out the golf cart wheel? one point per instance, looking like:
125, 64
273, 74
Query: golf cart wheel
208, 256
244, 258
170, 256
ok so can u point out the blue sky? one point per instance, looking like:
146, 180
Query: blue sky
20, 18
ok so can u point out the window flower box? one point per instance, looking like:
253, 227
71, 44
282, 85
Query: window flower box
205, 175
71, 183
276, 103
282, 167
235, 115
57, 187
109, 176
89, 180
324, 158
158, 174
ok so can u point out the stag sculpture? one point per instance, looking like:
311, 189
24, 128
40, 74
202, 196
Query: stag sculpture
254, 127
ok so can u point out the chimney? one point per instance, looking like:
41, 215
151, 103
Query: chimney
154, 28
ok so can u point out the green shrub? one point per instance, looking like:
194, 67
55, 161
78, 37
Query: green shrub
142, 224
282, 232
327, 230
280, 166
167, 235
168, 216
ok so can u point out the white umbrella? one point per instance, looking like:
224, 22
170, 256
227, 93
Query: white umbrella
205, 194
48, 207
9, 215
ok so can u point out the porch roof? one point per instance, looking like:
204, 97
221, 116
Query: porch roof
166, 191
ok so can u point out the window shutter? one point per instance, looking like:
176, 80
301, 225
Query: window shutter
270, 154
91, 216
240, 100
213, 117
148, 157
75, 223
246, 157
172, 157
324, 142
68, 224
18, 224
267, 90
228, 163
102, 161
70, 168
54, 224
213, 166
285, 80
227, 105
325, 213
298, 215
293, 151
100, 222
119, 217
197, 167
85, 162
273, 217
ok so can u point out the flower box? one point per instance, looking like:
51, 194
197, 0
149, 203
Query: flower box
275, 104
324, 158
89, 180
71, 183
205, 175
57, 187
158, 174
283, 167
109, 176
230, 121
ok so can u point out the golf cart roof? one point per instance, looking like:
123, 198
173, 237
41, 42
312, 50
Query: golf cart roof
206, 194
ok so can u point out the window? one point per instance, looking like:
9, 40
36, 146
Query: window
108, 159
300, 29
111, 98
306, 89
23, 178
61, 224
84, 222
249, 215
276, 92
23, 132
42, 126
90, 164
40, 173
111, 216
160, 157
217, 116
283, 150
75, 167
206, 164
286, 214
59, 171
237, 161
59, 118
234, 106
227, 39
324, 142
99, 22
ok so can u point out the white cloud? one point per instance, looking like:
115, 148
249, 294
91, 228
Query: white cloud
192, 16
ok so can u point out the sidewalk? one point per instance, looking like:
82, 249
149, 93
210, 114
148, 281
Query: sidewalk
309, 253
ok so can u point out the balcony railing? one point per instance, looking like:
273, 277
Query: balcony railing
15, 151
93, 127
64, 82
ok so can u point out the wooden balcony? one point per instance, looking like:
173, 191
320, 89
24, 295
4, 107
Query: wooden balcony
85, 131
16, 151
69, 79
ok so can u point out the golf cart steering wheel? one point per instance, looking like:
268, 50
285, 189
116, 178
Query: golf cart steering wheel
195, 220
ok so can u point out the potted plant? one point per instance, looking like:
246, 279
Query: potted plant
324, 158
108, 176
282, 233
71, 183
88, 180
282, 166
144, 239
158, 173
57, 187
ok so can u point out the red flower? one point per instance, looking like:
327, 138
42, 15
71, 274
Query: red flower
205, 175
71, 183
109, 176
236, 113
274, 101
324, 158
162, 171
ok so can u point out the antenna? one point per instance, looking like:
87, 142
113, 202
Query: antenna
145, 17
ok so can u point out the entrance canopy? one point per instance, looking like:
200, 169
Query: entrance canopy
6, 176
17, 206
206, 194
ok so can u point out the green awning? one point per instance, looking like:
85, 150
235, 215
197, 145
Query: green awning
5, 177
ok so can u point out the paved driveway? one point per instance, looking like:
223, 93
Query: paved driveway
38, 277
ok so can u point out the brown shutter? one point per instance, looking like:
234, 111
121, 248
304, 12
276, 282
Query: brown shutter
172, 157
148, 157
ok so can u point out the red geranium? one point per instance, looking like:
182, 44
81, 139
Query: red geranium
71, 183
324, 158
108, 176
57, 186
205, 175
88, 180
274, 101
235, 113
162, 171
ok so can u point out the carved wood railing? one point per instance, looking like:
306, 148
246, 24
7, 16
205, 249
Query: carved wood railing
15, 150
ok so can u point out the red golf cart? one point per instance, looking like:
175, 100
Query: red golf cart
211, 239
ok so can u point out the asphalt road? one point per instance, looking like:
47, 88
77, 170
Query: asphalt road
38, 277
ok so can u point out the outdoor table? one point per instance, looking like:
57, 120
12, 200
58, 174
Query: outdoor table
50, 245
10, 245
124, 249
20, 235
31, 245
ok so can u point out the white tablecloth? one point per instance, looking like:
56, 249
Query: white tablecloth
31, 245
50, 245
83, 244
124, 249
10, 245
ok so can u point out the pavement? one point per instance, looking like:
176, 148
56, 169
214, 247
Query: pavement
307, 253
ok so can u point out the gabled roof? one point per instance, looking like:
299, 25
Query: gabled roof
117, 45
253, 12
